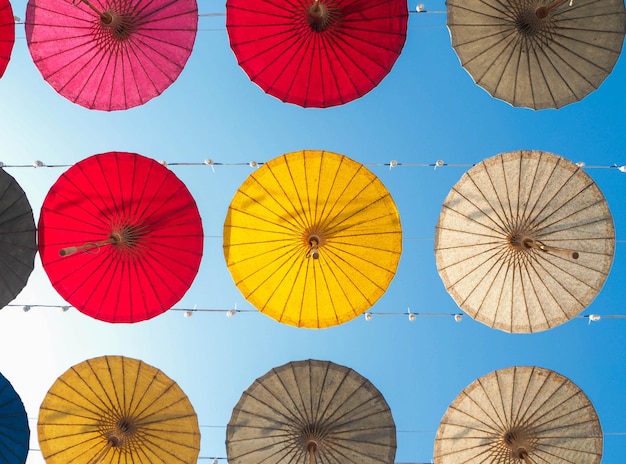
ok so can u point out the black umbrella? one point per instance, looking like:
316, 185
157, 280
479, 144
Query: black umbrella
17, 239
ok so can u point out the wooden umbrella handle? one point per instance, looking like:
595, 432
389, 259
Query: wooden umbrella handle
105, 17
73, 249
530, 243
312, 447
543, 11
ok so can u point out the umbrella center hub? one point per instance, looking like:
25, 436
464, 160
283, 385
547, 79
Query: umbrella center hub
312, 437
127, 235
519, 441
121, 432
521, 241
531, 23
313, 240
528, 22
121, 25
321, 16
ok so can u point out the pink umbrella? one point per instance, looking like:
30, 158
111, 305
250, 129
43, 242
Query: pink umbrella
111, 54
7, 34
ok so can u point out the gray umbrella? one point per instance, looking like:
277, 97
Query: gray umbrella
520, 415
537, 53
17, 239
525, 241
309, 412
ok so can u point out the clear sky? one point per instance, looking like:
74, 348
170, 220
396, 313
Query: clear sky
427, 109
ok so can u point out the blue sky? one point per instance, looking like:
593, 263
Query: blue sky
426, 109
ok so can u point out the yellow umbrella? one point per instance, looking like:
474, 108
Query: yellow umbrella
117, 409
312, 239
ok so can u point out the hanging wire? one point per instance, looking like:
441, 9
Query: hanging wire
368, 315
255, 164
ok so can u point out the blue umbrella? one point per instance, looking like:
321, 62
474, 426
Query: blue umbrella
14, 431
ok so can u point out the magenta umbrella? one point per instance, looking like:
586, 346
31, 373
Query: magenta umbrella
111, 54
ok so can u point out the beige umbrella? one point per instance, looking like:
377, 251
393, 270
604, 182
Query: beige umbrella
525, 241
537, 53
520, 415
307, 412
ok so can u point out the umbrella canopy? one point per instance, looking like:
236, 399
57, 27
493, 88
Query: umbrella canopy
520, 415
120, 237
316, 53
14, 430
111, 54
311, 412
7, 34
117, 409
312, 239
525, 241
17, 239
537, 53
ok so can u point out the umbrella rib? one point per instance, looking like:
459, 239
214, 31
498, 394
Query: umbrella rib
290, 226
338, 258
295, 220
553, 200
294, 184
532, 213
327, 208
328, 413
343, 187
291, 253
6, 222
501, 212
528, 210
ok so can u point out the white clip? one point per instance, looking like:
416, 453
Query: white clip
594, 318
209, 162
458, 317
368, 316
190, 312
438, 163
37, 164
392, 164
232, 312
411, 315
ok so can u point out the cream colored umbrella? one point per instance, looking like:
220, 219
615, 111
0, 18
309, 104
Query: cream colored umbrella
537, 53
525, 241
308, 412
520, 415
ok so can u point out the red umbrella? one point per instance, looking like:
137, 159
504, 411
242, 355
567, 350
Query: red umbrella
120, 237
7, 34
111, 54
317, 53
